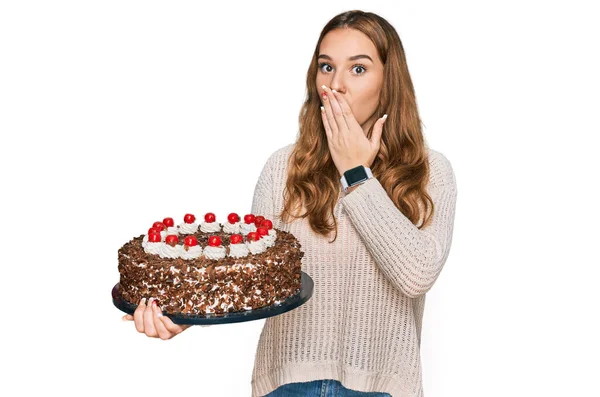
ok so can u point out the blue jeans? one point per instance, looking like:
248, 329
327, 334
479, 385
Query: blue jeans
320, 388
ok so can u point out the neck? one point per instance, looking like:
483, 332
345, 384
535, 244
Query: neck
367, 124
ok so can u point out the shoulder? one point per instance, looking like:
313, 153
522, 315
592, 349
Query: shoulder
275, 166
280, 157
441, 173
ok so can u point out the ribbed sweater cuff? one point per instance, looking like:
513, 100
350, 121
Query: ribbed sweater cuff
360, 194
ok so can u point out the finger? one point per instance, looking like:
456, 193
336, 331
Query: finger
162, 331
378, 131
127, 317
172, 327
149, 328
326, 124
340, 118
329, 112
346, 110
138, 315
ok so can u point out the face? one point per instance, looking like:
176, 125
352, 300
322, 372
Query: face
359, 80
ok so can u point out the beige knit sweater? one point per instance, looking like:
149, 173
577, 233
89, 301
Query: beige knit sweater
362, 326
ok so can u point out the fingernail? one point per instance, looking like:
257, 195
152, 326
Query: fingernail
323, 86
333, 91
157, 308
385, 116
143, 301
324, 95
322, 109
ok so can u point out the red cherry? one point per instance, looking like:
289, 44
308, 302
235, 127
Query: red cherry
159, 225
169, 222
153, 230
189, 218
172, 240
214, 241
233, 218
154, 237
235, 238
258, 220
190, 241
210, 217
249, 219
262, 231
267, 223
253, 236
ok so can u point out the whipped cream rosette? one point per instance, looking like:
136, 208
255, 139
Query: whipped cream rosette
270, 238
267, 233
154, 248
233, 224
189, 225
247, 228
209, 225
237, 248
255, 243
153, 239
215, 250
232, 228
171, 248
191, 249
248, 225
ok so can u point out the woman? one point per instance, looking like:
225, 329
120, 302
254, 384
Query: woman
373, 250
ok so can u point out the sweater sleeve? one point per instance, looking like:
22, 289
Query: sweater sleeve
410, 258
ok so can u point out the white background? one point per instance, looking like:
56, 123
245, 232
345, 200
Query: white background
116, 113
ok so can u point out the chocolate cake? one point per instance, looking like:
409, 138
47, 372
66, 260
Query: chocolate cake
202, 283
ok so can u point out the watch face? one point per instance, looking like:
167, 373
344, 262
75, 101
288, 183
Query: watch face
355, 175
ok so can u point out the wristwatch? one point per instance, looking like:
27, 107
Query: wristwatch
355, 176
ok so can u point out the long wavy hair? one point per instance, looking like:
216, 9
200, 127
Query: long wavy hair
401, 166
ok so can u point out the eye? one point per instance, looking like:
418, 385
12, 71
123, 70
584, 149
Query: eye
358, 65
361, 67
323, 64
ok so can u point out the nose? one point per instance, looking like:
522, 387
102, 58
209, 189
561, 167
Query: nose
337, 83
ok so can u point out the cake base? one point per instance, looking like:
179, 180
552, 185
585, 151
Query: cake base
290, 303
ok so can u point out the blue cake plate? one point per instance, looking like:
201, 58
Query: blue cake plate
301, 297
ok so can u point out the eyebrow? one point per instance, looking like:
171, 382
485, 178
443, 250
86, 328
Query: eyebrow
352, 58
